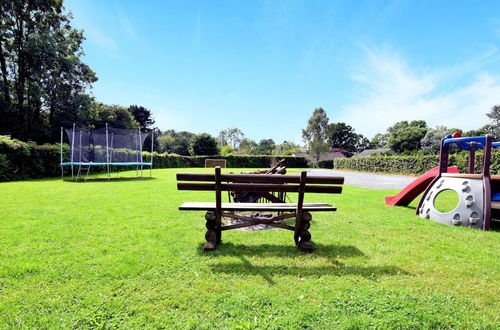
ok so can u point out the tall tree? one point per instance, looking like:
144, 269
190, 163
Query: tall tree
287, 148
343, 136
247, 147
203, 145
494, 114
432, 139
379, 140
142, 115
41, 71
175, 142
265, 147
232, 136
406, 136
316, 133
114, 115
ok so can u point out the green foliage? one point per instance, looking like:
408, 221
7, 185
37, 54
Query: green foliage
431, 141
316, 133
494, 115
42, 75
175, 142
203, 145
325, 164
231, 136
343, 136
120, 254
406, 135
115, 116
21, 160
414, 164
247, 147
226, 150
142, 116
233, 161
287, 148
378, 141
265, 147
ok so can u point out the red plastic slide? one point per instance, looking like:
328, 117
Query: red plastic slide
411, 191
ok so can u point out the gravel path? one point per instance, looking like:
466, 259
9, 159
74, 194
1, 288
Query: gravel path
368, 180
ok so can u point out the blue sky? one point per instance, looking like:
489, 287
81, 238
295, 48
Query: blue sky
263, 66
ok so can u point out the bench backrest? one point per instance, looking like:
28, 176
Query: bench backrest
257, 183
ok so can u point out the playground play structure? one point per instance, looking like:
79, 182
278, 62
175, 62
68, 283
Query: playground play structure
104, 146
478, 193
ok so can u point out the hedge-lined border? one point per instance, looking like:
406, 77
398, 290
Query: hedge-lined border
20, 160
415, 165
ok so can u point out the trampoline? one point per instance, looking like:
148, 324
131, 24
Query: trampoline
106, 147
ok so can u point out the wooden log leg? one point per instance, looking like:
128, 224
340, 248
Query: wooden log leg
304, 236
218, 230
211, 234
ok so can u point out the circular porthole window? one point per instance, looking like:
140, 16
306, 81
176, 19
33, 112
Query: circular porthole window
446, 201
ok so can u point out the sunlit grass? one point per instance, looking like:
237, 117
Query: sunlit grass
120, 254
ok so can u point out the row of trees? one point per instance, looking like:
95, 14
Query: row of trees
230, 141
404, 136
320, 136
43, 82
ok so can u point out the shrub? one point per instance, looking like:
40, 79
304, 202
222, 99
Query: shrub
415, 164
20, 160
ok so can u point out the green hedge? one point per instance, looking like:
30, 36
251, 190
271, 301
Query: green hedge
418, 164
232, 161
20, 160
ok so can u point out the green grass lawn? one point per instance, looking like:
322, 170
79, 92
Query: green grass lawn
120, 254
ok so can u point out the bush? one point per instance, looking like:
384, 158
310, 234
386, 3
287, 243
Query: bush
20, 160
415, 164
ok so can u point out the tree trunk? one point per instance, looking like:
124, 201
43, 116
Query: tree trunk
3, 67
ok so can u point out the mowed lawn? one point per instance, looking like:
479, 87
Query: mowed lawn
120, 254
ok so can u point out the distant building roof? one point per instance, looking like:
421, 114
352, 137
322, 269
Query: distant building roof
331, 155
369, 152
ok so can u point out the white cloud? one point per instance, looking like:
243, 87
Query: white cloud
99, 38
389, 90
125, 23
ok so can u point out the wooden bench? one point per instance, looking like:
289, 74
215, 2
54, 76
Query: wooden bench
215, 211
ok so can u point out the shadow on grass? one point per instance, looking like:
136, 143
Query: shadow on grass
110, 179
282, 251
333, 267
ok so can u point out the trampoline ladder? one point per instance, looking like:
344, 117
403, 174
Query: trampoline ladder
85, 168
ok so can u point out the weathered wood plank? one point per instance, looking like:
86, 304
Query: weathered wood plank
258, 187
257, 178
271, 207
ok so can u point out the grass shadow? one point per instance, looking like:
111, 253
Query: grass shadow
281, 251
111, 179
333, 267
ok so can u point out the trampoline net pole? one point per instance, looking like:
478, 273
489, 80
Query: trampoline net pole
151, 166
72, 149
62, 168
140, 147
107, 150
79, 153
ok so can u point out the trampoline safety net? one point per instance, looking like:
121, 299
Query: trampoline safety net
106, 145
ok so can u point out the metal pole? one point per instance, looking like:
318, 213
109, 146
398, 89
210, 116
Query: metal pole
62, 168
151, 166
140, 147
107, 150
72, 149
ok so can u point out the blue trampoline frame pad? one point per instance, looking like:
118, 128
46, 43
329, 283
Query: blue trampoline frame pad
102, 164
